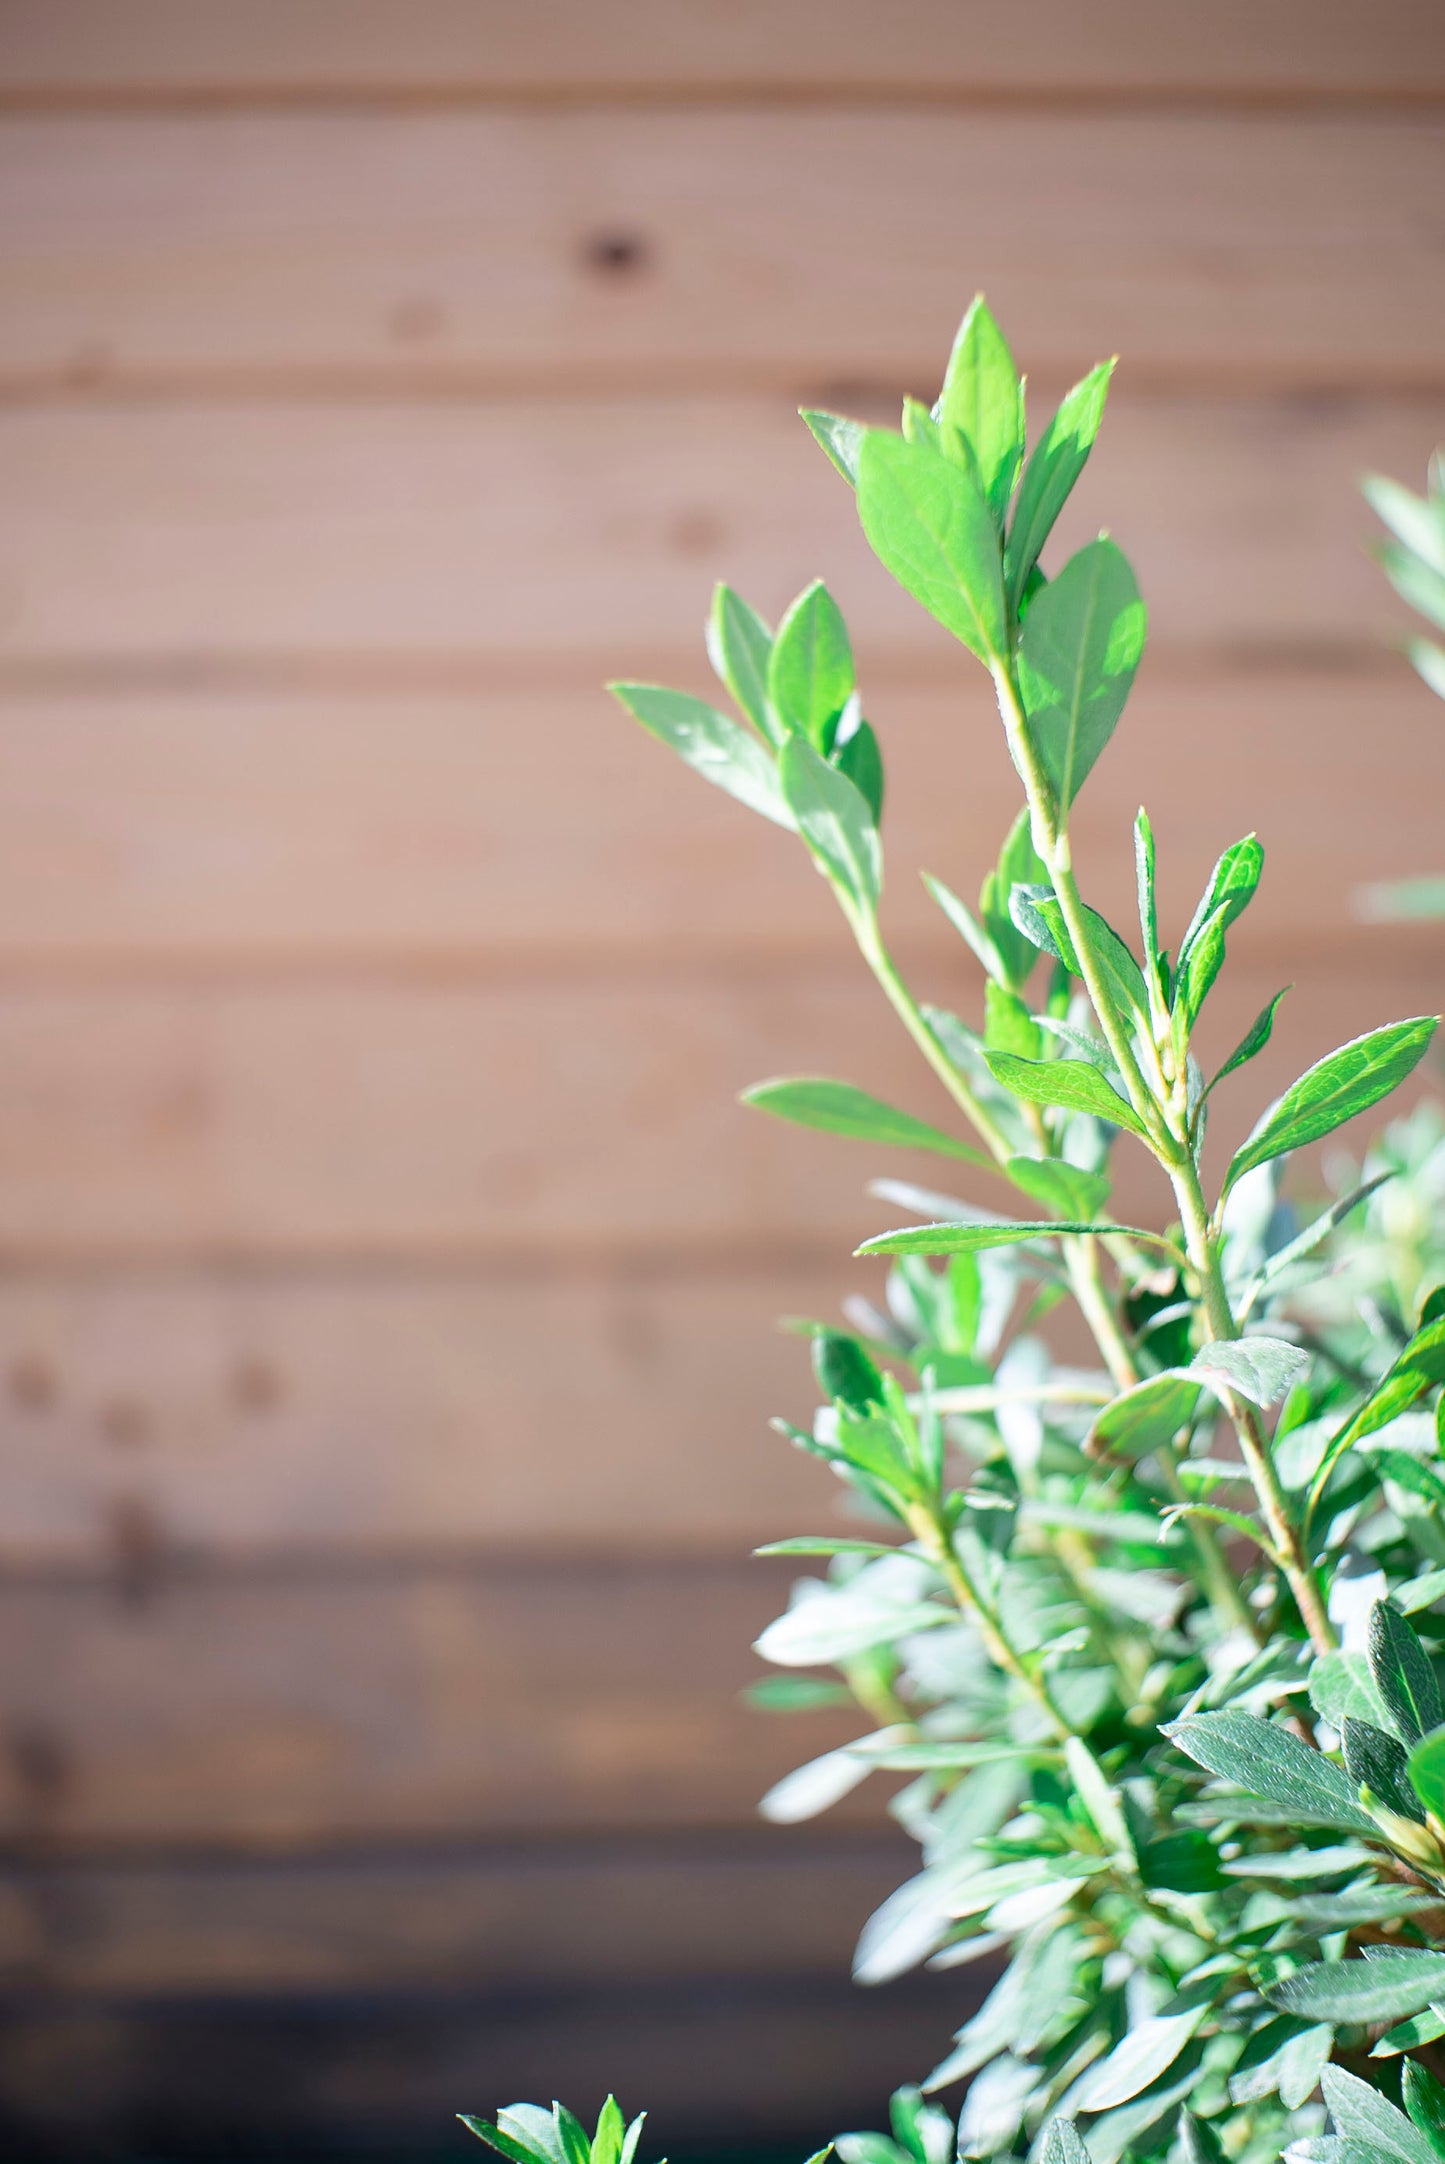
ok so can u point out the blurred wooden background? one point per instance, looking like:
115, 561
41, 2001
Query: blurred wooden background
389, 1274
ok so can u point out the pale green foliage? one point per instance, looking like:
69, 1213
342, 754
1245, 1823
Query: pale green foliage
1414, 560
1151, 1641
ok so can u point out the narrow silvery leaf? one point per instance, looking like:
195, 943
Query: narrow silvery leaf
1403, 1675
1079, 647
1063, 2144
1314, 1235
1385, 1989
1267, 1761
1070, 1084
842, 440
837, 1108
810, 672
812, 1788
738, 646
1055, 464
1348, 1081
834, 820
1137, 2060
1362, 2114
1261, 1369
1414, 520
983, 399
963, 920
930, 525
716, 746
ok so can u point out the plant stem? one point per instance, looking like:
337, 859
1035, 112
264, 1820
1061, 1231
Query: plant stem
1254, 1448
938, 1542
905, 1006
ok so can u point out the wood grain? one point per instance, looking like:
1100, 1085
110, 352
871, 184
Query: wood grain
465, 251
450, 1916
583, 536
118, 49
155, 1417
301, 1707
528, 830
505, 1121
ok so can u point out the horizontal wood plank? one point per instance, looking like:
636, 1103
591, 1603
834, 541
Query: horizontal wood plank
584, 536
533, 830
509, 1120
450, 1916
244, 1416
312, 1706
116, 49
461, 251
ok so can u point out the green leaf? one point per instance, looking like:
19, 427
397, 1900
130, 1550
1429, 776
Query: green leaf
536, 2128
1065, 1189
1079, 647
976, 1239
1409, 2035
1361, 2114
1284, 2057
1348, 1081
576, 2147
1071, 1084
825, 1544
1008, 1025
834, 820
1427, 1774
1342, 1687
1403, 1675
1376, 1764
1267, 1761
1138, 2059
1063, 2144
1314, 1235
1144, 882
842, 440
1415, 521
488, 2131
1198, 971
856, 753
810, 673
963, 920
983, 399
930, 525
1419, 1367
1231, 888
716, 746
1254, 1040
1425, 2102
1384, 1989
611, 2130
846, 1372
1146, 1418
739, 644
1262, 1369
1057, 460
837, 1108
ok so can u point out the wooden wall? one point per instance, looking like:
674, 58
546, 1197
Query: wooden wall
388, 1274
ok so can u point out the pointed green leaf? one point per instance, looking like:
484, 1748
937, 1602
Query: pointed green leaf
837, 1108
1146, 1418
930, 525
1070, 1084
1199, 969
611, 2128
1348, 1081
1385, 1989
842, 440
1065, 1189
1008, 1025
1057, 460
1138, 2059
1144, 881
1403, 1675
1063, 2144
716, 746
983, 399
1231, 888
845, 1372
1254, 1040
486, 2130
1419, 1367
1079, 647
810, 672
963, 920
1342, 1688
1425, 2102
1376, 1764
1267, 1761
1420, 2029
834, 820
856, 753
739, 644
1361, 2114
976, 1239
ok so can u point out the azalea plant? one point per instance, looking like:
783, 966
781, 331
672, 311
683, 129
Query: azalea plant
1150, 1637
